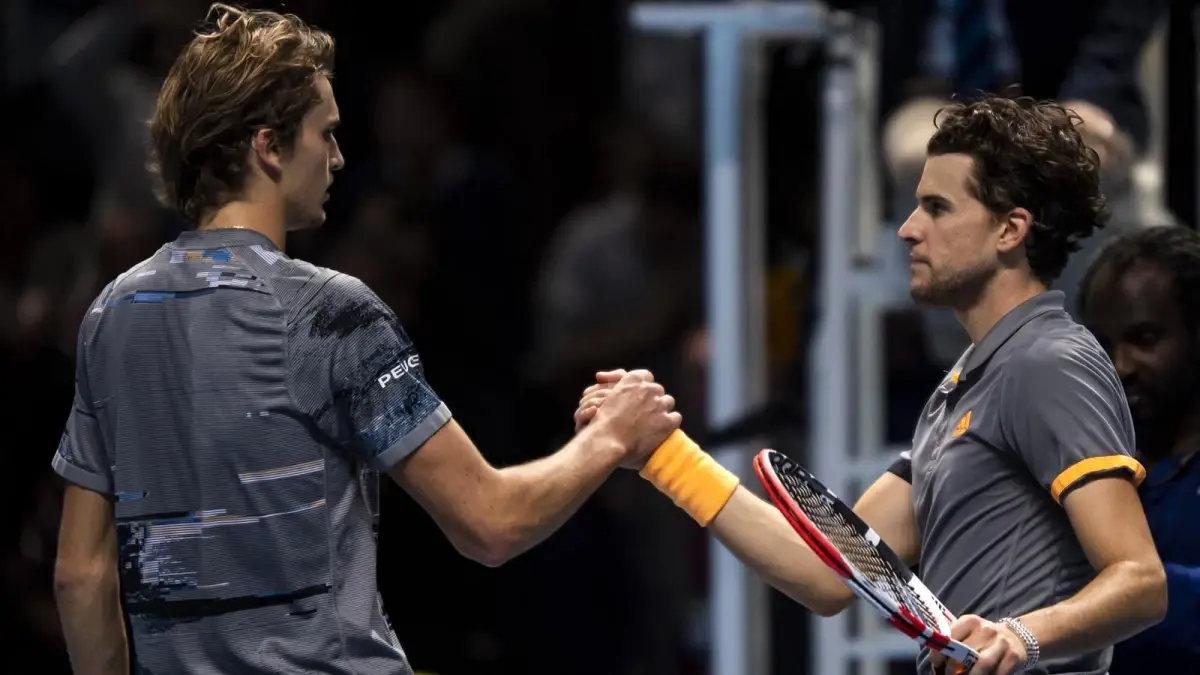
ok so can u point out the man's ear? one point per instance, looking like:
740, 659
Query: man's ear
264, 148
1014, 228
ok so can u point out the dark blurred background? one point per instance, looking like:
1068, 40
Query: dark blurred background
524, 187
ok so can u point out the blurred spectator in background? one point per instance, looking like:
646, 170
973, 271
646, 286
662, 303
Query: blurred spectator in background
622, 283
968, 46
1142, 300
105, 71
622, 279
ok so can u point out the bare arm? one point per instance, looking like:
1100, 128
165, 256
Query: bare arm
379, 408
86, 585
1073, 440
759, 536
491, 515
1129, 593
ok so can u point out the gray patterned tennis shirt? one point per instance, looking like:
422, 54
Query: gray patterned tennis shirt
239, 405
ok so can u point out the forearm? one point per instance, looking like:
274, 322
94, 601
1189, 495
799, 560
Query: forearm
1123, 599
760, 537
752, 529
536, 498
90, 610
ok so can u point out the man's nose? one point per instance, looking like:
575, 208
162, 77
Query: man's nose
1124, 363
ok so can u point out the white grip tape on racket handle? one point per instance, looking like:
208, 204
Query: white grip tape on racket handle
962, 654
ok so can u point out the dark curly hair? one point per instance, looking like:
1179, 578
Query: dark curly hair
245, 70
1029, 154
1172, 249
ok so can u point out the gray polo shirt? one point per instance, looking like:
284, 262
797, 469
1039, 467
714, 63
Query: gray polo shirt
1032, 411
238, 405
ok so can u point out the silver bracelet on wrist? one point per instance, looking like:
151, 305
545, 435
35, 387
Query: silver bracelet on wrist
1033, 650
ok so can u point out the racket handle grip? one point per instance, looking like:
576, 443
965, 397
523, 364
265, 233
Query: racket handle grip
695, 481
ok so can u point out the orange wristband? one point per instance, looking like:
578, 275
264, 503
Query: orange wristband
690, 477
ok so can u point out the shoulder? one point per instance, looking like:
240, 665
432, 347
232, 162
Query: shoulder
337, 305
1060, 353
131, 279
336, 294
89, 325
1062, 342
124, 285
303, 284
296, 282
341, 288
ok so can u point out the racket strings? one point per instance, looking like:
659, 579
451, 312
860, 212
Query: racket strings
854, 547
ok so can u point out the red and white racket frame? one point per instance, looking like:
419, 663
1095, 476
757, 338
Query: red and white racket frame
935, 637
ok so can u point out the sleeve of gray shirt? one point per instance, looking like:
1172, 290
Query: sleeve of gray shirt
357, 373
902, 466
82, 457
1066, 417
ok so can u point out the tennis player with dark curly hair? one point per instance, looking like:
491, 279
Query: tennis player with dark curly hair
1018, 499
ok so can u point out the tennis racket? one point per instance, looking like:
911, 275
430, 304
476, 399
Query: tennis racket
852, 549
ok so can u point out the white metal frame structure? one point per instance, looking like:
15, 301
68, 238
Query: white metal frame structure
1149, 171
857, 282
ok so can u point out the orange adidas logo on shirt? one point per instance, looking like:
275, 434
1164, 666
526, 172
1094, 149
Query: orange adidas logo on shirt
963, 423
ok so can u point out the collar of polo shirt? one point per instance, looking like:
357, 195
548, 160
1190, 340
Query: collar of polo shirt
1007, 326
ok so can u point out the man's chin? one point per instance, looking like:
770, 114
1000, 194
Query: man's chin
943, 294
310, 223
1150, 421
924, 295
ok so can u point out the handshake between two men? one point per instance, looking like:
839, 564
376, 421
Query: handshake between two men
633, 406
636, 408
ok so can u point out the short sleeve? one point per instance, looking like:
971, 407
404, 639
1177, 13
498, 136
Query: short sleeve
82, 457
902, 467
357, 373
1067, 418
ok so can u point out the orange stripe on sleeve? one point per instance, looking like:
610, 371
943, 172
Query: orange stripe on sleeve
1091, 465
